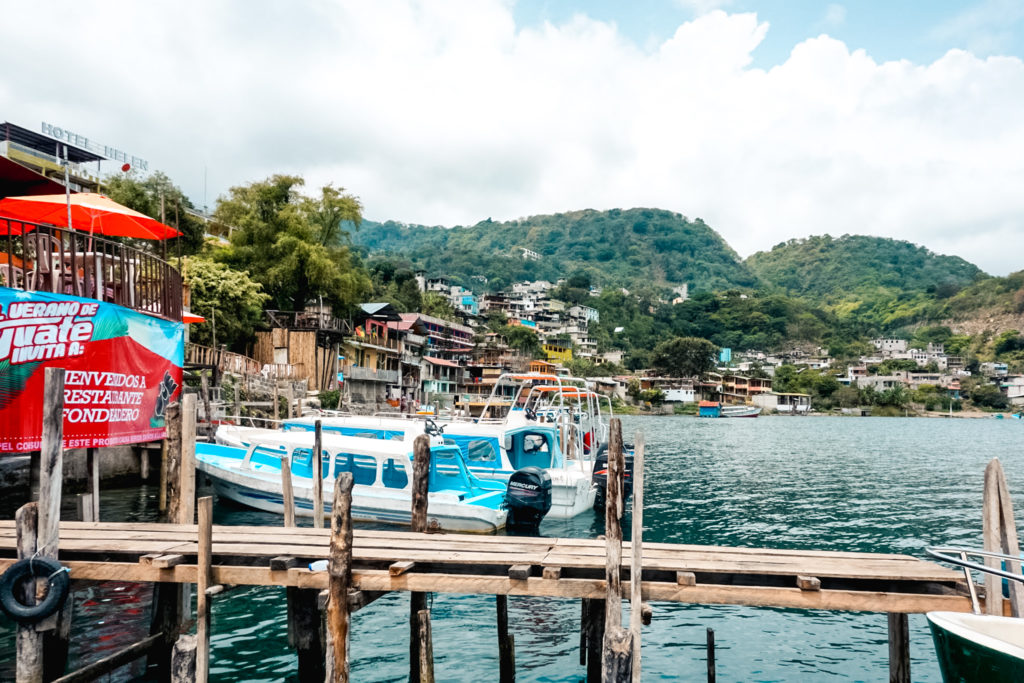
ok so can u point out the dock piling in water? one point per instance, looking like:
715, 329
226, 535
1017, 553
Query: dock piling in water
340, 580
617, 651
418, 524
318, 476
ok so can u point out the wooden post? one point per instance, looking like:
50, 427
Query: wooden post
318, 476
899, 648
712, 673
636, 559
172, 465
29, 665
277, 401
143, 463
1008, 540
418, 523
203, 576
991, 535
288, 493
170, 599
506, 643
426, 653
595, 638
184, 660
162, 493
92, 465
85, 507
616, 664
291, 400
305, 632
188, 462
205, 389
340, 570
238, 405
51, 474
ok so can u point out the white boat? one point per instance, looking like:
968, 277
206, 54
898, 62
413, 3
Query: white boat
740, 411
978, 648
245, 466
493, 450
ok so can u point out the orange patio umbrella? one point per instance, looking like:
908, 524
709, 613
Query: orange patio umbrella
90, 212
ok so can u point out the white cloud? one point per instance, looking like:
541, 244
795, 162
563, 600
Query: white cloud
704, 6
445, 113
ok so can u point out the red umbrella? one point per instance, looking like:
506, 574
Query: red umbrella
90, 212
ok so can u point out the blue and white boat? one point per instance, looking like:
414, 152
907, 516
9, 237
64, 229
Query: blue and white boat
245, 466
492, 450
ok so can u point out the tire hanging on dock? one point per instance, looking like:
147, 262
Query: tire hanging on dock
13, 580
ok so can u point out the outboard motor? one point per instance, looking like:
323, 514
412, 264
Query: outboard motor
600, 476
528, 499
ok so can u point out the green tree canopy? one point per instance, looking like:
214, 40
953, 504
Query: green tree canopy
290, 243
684, 357
144, 195
227, 298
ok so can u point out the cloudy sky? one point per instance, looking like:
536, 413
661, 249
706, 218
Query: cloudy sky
770, 119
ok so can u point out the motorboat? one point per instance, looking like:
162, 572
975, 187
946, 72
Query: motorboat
493, 450
978, 648
244, 465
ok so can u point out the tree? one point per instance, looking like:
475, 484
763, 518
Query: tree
989, 396
227, 298
287, 242
432, 303
847, 397
522, 338
684, 357
144, 195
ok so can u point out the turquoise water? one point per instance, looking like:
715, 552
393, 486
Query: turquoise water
879, 485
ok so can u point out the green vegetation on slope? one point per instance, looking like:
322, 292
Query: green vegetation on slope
852, 266
628, 248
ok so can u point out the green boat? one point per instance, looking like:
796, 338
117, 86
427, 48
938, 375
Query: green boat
976, 647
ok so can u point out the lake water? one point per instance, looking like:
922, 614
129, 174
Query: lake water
863, 484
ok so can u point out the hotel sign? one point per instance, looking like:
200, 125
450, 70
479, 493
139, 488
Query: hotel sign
65, 135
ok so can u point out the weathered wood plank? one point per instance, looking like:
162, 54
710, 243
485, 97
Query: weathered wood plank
520, 572
399, 568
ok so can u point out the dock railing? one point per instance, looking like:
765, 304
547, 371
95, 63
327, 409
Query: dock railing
44, 258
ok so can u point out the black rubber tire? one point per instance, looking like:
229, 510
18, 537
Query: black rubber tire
55, 596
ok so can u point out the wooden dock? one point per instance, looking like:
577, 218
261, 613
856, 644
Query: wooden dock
502, 565
363, 565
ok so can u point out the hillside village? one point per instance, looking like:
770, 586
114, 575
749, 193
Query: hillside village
388, 360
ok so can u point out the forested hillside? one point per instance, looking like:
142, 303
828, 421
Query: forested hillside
854, 266
627, 248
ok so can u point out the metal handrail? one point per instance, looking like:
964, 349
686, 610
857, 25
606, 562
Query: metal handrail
940, 553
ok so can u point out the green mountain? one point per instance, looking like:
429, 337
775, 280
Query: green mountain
627, 248
852, 266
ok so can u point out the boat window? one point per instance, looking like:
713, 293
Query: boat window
362, 467
302, 462
446, 469
481, 450
532, 448
268, 456
394, 474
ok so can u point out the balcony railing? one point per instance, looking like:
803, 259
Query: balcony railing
356, 372
225, 361
307, 320
40, 258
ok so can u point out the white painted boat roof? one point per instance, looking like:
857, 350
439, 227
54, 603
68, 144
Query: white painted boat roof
331, 441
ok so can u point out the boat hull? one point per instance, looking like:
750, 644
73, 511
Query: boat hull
369, 504
978, 648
